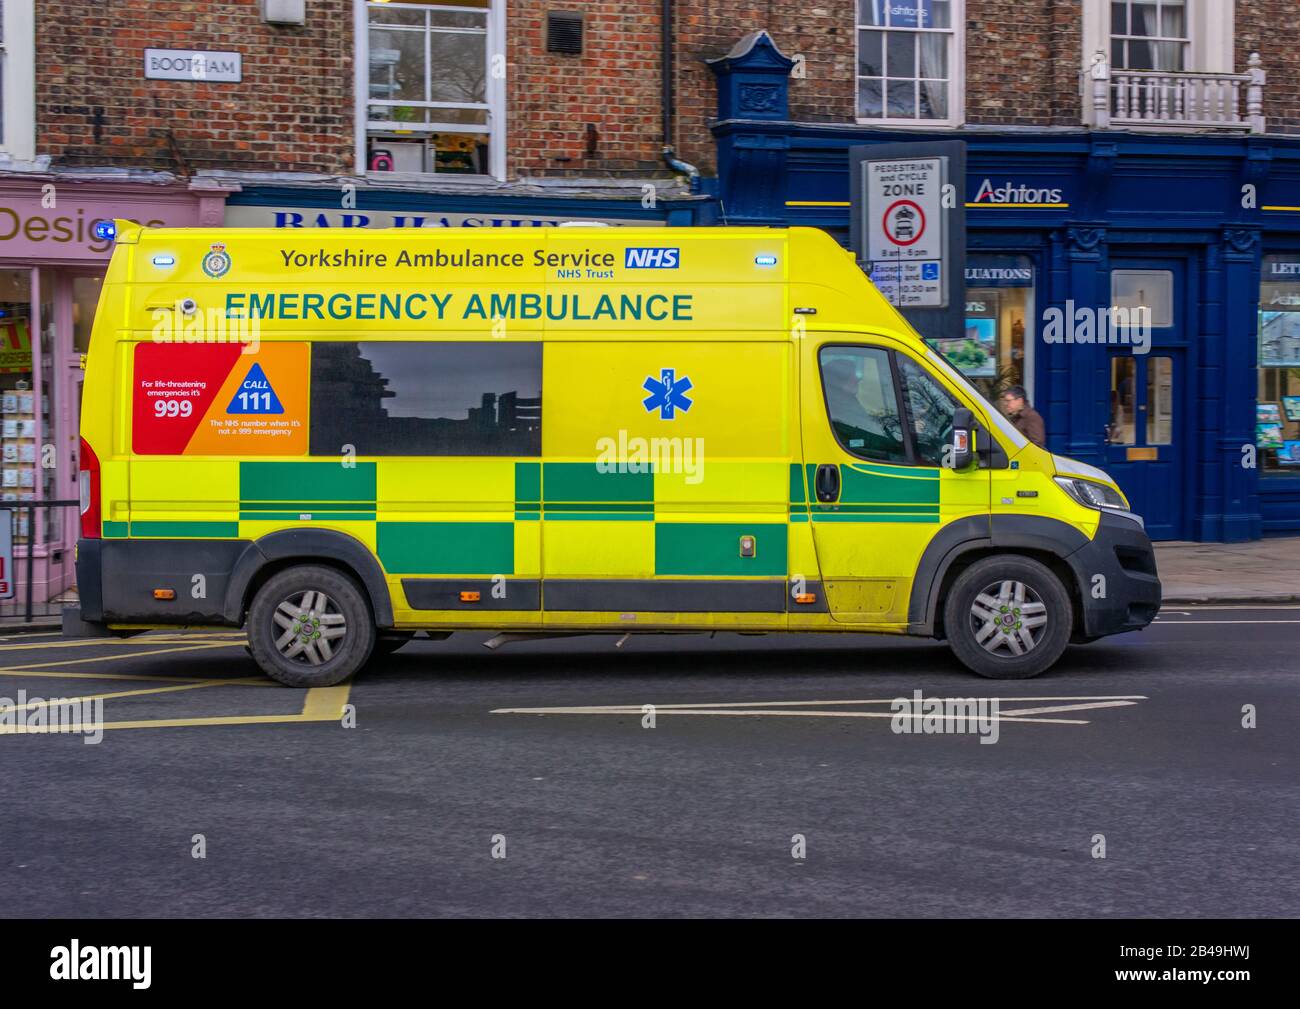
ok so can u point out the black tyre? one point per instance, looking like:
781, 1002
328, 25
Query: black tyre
388, 642
1008, 618
310, 626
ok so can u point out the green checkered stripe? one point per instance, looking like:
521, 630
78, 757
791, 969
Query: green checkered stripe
868, 493
555, 492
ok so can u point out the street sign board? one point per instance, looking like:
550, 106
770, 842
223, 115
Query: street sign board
906, 229
909, 228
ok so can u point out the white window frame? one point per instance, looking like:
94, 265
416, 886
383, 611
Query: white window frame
496, 86
956, 72
18, 67
1185, 40
1210, 27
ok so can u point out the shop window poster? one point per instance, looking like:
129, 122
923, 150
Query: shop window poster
974, 354
1279, 339
1289, 454
1291, 404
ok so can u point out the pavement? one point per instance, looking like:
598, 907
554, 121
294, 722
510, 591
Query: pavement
1261, 571
1153, 774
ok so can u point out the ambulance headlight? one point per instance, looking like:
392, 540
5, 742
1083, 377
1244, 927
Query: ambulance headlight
1091, 494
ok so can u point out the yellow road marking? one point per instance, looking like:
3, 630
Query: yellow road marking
326, 702
103, 697
110, 658
172, 639
322, 704
250, 681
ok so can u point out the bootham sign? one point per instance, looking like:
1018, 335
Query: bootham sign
193, 65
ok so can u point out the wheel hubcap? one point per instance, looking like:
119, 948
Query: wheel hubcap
1008, 618
311, 627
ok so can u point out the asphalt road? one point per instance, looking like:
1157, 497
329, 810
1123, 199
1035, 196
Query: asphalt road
299, 815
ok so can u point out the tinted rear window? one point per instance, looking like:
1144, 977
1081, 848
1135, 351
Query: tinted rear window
427, 399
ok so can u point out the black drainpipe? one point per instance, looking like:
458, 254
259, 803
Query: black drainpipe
670, 156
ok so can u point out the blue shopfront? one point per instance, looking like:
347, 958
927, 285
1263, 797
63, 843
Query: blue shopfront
1197, 412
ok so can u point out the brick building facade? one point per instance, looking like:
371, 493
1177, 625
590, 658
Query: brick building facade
1109, 169
598, 113
293, 110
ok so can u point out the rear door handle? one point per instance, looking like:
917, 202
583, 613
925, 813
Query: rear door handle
828, 483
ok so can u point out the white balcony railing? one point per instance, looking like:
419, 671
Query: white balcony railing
1148, 99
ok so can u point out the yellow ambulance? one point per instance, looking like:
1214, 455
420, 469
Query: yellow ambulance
338, 439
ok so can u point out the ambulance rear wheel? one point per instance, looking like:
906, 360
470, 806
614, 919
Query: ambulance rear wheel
1008, 618
310, 626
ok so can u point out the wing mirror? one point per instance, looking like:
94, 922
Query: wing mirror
961, 451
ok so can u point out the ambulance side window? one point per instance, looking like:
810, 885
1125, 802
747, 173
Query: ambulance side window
860, 402
929, 411
426, 398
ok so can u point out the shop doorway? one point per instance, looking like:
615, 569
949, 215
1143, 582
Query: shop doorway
45, 320
1147, 426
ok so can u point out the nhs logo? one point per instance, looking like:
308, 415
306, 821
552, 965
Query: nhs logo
652, 258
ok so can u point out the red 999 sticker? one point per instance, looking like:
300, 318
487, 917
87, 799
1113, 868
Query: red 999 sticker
220, 399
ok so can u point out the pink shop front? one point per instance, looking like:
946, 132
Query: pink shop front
52, 266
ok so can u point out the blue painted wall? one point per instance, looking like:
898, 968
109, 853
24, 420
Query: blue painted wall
1214, 205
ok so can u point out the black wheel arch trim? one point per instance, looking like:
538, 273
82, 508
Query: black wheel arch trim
981, 532
309, 545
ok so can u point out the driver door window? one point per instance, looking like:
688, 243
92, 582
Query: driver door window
861, 402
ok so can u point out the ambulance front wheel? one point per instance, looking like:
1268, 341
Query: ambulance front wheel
310, 626
1008, 618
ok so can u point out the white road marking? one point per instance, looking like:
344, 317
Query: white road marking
775, 711
1177, 623
1068, 707
597, 708
784, 709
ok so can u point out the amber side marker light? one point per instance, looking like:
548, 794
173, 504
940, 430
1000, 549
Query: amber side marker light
469, 597
164, 593
804, 598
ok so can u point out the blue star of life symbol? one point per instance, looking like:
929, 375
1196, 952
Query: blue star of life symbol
667, 394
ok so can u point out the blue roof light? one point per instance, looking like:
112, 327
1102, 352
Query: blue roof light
105, 231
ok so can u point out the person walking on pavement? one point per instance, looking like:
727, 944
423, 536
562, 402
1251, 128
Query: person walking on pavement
1028, 421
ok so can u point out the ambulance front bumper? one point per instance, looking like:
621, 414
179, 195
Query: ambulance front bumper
1117, 578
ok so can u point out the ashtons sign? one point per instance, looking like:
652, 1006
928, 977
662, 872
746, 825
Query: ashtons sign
193, 65
1017, 195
